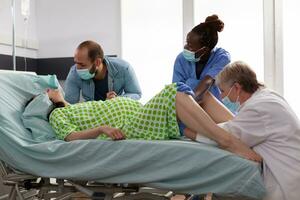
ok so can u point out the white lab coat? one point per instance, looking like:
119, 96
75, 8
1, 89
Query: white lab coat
267, 123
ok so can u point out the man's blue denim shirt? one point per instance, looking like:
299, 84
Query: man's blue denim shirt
121, 79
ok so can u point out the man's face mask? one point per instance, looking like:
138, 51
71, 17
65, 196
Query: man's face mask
232, 106
85, 73
190, 55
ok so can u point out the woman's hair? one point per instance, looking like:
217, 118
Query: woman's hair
94, 49
239, 72
208, 31
59, 104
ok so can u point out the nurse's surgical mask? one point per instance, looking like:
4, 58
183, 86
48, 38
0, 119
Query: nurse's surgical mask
85, 73
232, 106
190, 55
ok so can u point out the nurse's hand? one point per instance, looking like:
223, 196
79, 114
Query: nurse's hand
203, 52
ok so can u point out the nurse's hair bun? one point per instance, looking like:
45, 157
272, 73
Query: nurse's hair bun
214, 22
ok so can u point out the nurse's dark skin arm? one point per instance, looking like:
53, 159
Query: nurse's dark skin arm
203, 85
195, 44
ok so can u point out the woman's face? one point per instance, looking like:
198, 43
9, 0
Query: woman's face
230, 90
227, 90
194, 44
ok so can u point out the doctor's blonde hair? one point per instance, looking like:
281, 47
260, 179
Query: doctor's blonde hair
239, 72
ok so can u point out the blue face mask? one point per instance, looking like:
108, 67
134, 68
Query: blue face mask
85, 74
190, 56
232, 106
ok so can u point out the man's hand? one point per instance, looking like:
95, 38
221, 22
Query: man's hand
113, 133
111, 95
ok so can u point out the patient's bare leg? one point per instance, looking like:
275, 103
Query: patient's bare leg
215, 109
195, 118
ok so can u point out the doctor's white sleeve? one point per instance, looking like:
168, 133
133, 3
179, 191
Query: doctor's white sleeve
249, 126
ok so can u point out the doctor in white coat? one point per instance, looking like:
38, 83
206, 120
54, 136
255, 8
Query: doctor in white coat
265, 122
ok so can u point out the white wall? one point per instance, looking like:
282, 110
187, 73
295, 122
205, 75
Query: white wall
63, 24
151, 41
24, 32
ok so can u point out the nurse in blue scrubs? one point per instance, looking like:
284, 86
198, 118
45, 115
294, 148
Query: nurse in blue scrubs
201, 60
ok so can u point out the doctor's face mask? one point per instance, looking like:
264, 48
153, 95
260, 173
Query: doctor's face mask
232, 106
190, 56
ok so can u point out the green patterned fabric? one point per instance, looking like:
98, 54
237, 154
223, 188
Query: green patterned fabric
156, 120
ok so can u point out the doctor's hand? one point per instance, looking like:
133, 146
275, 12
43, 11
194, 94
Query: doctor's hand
111, 95
238, 147
113, 133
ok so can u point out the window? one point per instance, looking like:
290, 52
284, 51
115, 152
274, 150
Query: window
151, 40
291, 41
242, 36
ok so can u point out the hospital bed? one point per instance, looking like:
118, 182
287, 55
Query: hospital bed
128, 169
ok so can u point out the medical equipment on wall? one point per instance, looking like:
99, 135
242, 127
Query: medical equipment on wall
25, 11
25, 8
13, 11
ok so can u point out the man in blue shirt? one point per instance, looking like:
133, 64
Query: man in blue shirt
99, 77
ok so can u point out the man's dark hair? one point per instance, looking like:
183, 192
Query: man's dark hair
94, 49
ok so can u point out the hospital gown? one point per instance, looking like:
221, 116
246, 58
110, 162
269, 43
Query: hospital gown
155, 120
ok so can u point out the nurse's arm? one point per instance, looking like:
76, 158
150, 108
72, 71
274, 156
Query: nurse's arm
201, 89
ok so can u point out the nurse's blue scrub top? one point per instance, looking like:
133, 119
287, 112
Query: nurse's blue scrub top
185, 71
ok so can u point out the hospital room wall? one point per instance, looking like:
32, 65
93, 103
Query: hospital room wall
59, 26
71, 22
26, 35
62, 25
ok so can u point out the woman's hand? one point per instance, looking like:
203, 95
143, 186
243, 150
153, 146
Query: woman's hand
55, 96
113, 133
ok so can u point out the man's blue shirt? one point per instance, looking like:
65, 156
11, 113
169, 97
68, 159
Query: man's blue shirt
121, 79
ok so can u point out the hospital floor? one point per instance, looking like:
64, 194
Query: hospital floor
80, 196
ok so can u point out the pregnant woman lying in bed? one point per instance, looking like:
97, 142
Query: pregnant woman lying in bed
124, 118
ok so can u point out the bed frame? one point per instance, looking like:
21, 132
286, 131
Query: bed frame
24, 186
